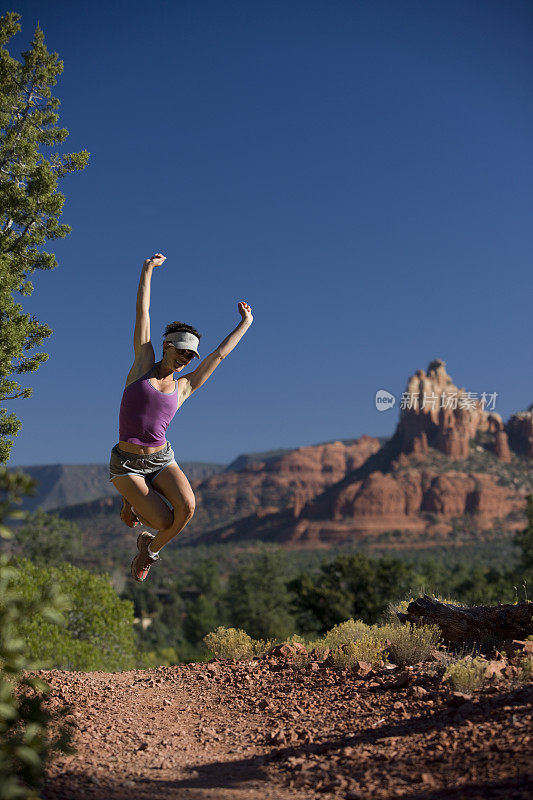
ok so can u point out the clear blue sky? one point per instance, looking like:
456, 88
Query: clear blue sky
359, 172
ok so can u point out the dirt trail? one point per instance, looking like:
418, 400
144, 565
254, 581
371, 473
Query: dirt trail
263, 730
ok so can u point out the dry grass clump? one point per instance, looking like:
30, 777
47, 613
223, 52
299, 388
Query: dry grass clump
466, 674
230, 643
367, 648
262, 646
410, 644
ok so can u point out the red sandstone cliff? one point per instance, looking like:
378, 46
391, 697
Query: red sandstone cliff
287, 480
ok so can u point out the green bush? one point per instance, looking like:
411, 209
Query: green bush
262, 646
25, 743
351, 586
99, 632
45, 538
525, 669
230, 643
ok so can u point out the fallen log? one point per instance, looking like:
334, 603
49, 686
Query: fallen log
461, 624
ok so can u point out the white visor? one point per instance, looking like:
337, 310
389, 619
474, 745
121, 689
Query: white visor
182, 340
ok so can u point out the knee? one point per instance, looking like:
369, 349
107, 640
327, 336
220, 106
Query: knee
188, 507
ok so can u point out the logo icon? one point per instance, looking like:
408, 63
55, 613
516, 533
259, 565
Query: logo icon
384, 400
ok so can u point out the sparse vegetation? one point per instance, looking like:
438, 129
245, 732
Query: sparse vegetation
262, 646
345, 633
411, 644
466, 674
367, 648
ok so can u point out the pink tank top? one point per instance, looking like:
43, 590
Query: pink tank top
145, 413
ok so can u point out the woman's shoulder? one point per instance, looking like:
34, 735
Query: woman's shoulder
140, 369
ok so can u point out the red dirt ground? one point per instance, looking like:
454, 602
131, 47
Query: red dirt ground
265, 730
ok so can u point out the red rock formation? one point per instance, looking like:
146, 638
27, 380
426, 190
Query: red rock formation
387, 502
520, 432
396, 489
435, 413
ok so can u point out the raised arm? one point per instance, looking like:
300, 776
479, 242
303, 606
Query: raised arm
141, 335
206, 367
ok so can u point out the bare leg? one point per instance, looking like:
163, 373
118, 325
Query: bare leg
172, 483
150, 507
141, 500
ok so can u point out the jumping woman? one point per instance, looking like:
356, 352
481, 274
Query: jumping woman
142, 467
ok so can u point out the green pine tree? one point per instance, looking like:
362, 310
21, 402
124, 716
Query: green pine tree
257, 597
30, 205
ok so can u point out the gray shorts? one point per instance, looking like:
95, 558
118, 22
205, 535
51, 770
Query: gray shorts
123, 463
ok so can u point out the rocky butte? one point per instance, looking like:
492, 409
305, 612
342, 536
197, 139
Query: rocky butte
451, 465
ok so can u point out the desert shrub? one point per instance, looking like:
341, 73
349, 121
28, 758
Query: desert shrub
345, 632
296, 639
229, 643
262, 646
390, 617
99, 631
367, 648
411, 644
466, 674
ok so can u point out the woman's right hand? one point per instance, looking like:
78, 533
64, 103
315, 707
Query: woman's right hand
155, 261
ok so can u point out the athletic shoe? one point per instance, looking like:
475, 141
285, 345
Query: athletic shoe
142, 562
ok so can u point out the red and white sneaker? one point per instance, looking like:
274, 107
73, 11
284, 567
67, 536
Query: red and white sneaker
142, 562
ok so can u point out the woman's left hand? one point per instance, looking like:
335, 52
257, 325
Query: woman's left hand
245, 311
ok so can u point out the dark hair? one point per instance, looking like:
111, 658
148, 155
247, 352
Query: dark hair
176, 326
